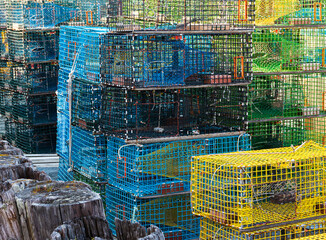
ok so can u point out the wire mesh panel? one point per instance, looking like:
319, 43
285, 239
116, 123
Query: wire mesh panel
179, 60
63, 173
287, 132
89, 153
86, 48
34, 78
33, 14
4, 48
5, 102
33, 46
278, 96
63, 135
31, 139
162, 168
293, 12
172, 214
168, 113
308, 230
39, 109
316, 237
259, 188
5, 76
87, 105
62, 92
181, 15
3, 14
296, 49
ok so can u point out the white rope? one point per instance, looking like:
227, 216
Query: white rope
135, 144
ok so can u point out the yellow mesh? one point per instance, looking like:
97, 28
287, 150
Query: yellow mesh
258, 188
308, 230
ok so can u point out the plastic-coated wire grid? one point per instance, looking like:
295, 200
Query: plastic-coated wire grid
63, 174
179, 60
63, 135
133, 114
181, 15
156, 60
88, 153
284, 133
290, 12
172, 214
62, 92
5, 67
34, 78
88, 49
312, 230
30, 139
162, 168
87, 105
289, 49
259, 188
35, 46
3, 15
279, 96
6, 103
34, 110
4, 48
32, 14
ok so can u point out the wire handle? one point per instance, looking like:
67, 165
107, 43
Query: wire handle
89, 18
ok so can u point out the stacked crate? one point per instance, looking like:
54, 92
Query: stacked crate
29, 79
264, 194
137, 99
287, 98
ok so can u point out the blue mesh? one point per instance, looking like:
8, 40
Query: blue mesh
63, 174
89, 153
4, 49
162, 168
172, 214
63, 98
63, 134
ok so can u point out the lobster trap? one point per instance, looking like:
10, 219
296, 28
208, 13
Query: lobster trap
34, 109
62, 92
4, 48
34, 78
172, 214
5, 77
211, 230
3, 15
282, 96
6, 102
260, 189
144, 61
180, 15
63, 135
63, 173
289, 49
87, 49
294, 13
287, 132
162, 168
133, 115
33, 46
88, 154
31, 139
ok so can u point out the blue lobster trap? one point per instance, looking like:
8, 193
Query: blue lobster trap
63, 173
162, 168
63, 135
144, 61
136, 115
31, 139
35, 78
3, 15
5, 76
34, 109
5, 102
62, 92
172, 214
33, 46
86, 47
89, 153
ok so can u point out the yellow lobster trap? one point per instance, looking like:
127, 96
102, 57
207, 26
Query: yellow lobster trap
260, 189
311, 230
